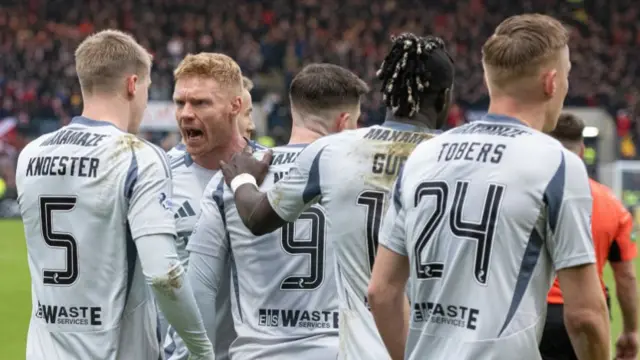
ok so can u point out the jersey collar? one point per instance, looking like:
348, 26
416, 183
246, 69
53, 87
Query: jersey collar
498, 118
396, 125
81, 120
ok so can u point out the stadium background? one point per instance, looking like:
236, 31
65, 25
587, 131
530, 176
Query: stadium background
272, 40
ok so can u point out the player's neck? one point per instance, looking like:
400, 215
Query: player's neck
211, 160
532, 116
111, 111
301, 135
420, 120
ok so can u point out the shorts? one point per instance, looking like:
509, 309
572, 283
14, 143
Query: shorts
555, 343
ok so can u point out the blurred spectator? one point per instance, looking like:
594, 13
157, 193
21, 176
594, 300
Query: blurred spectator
272, 40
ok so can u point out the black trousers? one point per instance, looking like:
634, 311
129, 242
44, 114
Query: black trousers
555, 343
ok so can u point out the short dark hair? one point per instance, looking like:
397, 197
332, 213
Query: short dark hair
319, 87
415, 68
568, 128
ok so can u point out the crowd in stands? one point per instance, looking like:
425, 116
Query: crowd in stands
273, 39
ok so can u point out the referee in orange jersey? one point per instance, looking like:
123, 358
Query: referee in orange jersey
611, 226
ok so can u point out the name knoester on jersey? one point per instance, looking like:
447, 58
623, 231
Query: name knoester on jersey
453, 315
316, 319
70, 315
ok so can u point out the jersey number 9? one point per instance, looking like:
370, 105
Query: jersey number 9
314, 247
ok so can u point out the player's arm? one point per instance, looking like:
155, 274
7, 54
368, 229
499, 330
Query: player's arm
148, 188
208, 250
621, 256
261, 212
389, 279
569, 207
208, 254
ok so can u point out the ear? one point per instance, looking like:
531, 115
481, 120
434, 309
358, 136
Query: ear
582, 150
132, 83
446, 103
236, 105
549, 82
342, 122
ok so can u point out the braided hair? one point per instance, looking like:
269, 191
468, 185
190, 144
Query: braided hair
410, 71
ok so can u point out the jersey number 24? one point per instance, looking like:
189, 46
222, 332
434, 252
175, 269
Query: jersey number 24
482, 232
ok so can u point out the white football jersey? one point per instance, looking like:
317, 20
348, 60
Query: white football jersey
86, 192
189, 182
351, 175
486, 213
285, 304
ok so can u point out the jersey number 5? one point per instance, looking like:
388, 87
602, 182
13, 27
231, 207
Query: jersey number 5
314, 247
49, 204
481, 232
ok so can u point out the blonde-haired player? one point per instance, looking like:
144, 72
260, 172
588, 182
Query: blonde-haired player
485, 214
209, 96
94, 201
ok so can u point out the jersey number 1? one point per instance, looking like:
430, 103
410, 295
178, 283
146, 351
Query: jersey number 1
49, 204
481, 232
374, 202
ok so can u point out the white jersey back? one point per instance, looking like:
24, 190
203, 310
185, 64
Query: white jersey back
189, 182
485, 212
86, 192
351, 175
285, 306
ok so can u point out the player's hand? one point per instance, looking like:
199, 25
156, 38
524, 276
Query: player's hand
243, 162
627, 346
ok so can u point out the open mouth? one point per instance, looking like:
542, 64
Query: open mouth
193, 134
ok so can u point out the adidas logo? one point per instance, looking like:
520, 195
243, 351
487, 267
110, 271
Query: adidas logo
184, 211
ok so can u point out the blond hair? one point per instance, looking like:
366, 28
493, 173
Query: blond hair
247, 84
219, 67
103, 58
520, 46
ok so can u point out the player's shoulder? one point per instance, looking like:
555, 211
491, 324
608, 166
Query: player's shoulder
179, 160
217, 191
285, 155
35, 144
145, 148
145, 155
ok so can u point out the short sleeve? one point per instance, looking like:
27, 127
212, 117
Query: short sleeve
209, 235
623, 248
393, 235
569, 206
300, 189
148, 190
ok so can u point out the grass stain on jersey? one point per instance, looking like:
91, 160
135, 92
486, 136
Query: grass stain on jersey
126, 143
388, 159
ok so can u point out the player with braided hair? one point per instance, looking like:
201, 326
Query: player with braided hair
417, 77
351, 175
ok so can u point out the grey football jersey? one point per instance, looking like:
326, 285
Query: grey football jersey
350, 174
485, 213
285, 304
189, 182
86, 192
